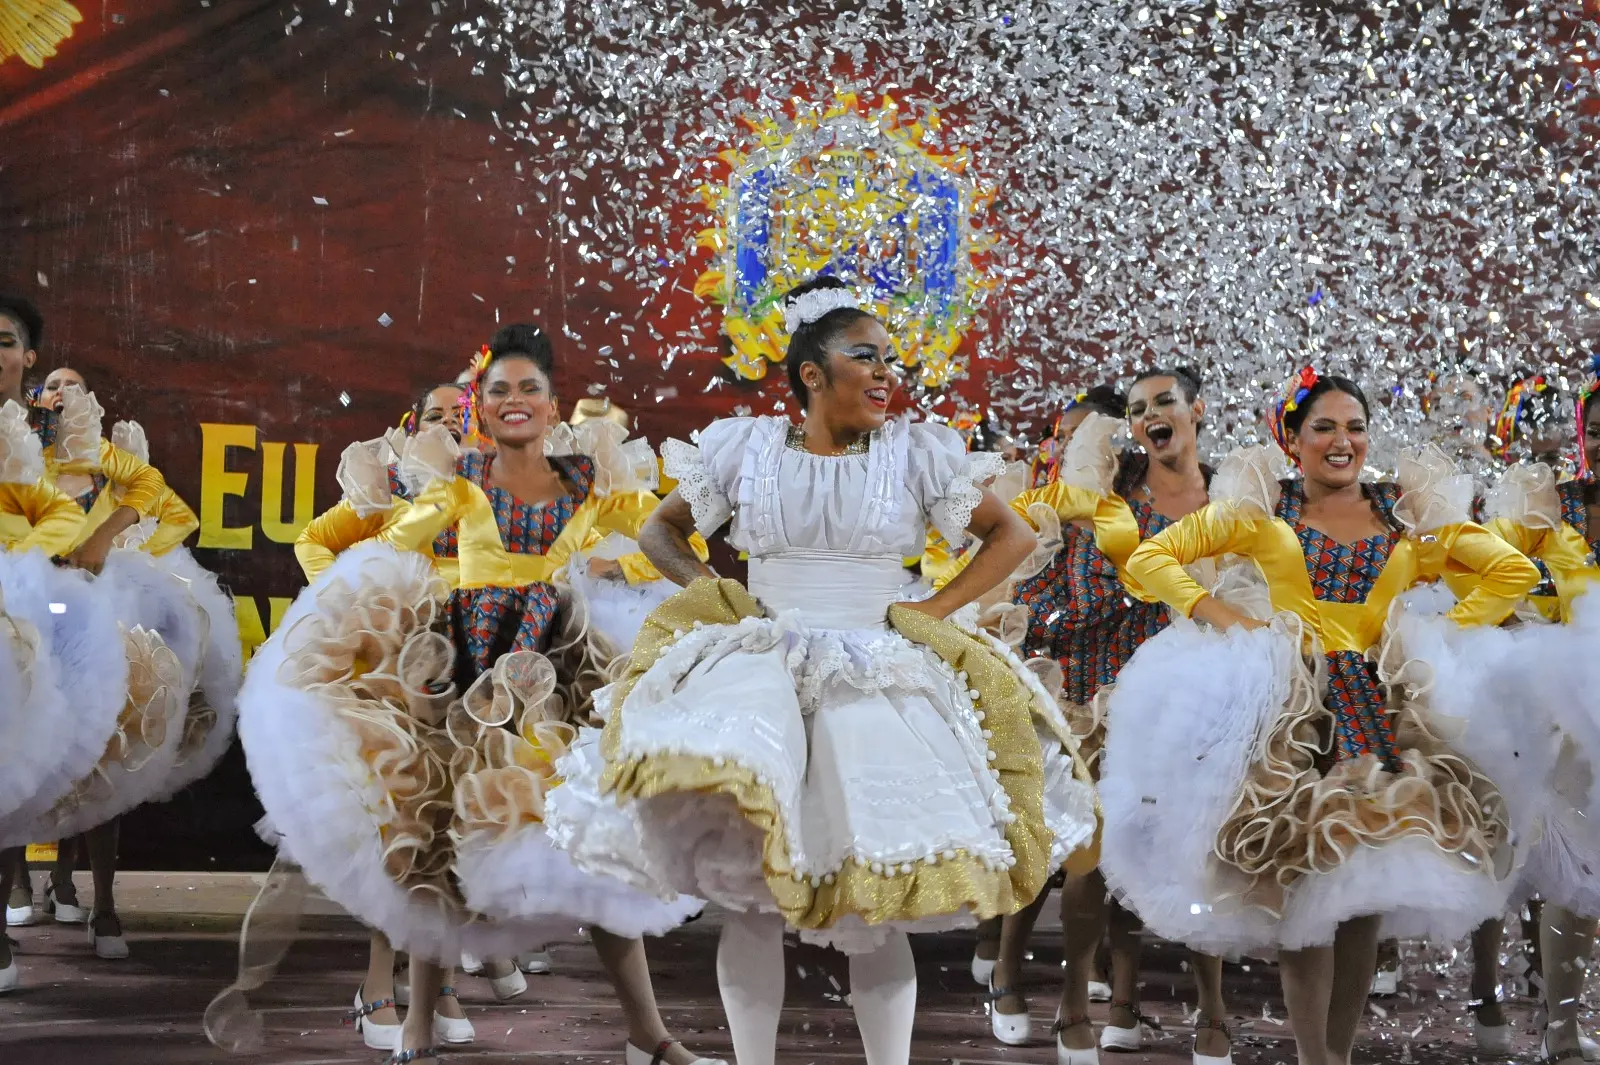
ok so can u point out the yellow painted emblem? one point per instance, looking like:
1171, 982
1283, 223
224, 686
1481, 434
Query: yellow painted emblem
861, 195
31, 29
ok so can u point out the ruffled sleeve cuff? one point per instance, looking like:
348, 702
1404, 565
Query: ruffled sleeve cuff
948, 479
697, 486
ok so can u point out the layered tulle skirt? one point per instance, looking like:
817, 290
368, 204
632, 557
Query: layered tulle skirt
418, 809
854, 781
1232, 826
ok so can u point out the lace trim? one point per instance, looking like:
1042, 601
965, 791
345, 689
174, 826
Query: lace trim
953, 513
1433, 493
1090, 458
364, 476
686, 465
1526, 495
21, 456
130, 437
887, 461
78, 430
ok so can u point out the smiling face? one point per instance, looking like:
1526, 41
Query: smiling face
441, 407
861, 378
1331, 443
16, 356
518, 404
50, 396
1163, 420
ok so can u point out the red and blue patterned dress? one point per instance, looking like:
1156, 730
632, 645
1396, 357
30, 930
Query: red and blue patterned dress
486, 623
1080, 615
1345, 573
1575, 512
444, 545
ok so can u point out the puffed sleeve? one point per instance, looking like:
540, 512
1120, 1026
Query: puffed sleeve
1158, 563
708, 473
331, 533
946, 479
175, 523
625, 513
55, 519
1504, 574
140, 485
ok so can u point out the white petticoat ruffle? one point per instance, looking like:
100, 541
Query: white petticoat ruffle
324, 805
1188, 717
870, 745
62, 678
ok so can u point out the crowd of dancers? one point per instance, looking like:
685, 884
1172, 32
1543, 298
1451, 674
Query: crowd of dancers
1273, 709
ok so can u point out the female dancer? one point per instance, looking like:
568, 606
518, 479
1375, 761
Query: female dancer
819, 753
1325, 805
64, 671
370, 484
1556, 524
517, 516
1085, 615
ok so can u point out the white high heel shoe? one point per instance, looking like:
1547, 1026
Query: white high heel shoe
10, 976
535, 962
1012, 1029
1207, 1059
1127, 1040
110, 948
1099, 991
63, 912
509, 986
632, 1055
455, 1030
375, 1035
982, 970
1066, 1055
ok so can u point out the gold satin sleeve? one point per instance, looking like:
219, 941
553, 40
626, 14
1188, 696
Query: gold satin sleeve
413, 526
55, 519
139, 484
1158, 563
330, 534
625, 514
1504, 574
1069, 502
175, 524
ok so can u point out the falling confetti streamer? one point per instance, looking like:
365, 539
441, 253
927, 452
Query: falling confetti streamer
1382, 189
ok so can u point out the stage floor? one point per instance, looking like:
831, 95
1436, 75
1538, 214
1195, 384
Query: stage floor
76, 1009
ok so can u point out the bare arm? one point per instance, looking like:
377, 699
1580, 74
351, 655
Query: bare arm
1007, 540
664, 539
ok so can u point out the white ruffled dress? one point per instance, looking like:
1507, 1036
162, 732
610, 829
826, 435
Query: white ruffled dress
867, 751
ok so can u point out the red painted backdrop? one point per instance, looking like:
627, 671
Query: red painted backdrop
214, 215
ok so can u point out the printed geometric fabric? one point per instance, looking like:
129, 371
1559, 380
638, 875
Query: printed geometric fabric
1575, 512
489, 622
1080, 615
1345, 573
89, 496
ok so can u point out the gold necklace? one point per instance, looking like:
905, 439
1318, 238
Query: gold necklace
797, 442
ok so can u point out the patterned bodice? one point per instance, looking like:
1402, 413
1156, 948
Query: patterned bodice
91, 495
1575, 512
444, 545
531, 528
1080, 615
1342, 573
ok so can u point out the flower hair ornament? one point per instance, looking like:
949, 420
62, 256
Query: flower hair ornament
1590, 389
1299, 389
1508, 426
812, 306
472, 396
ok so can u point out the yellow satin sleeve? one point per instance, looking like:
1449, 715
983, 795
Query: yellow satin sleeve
331, 533
1071, 504
1158, 563
39, 516
625, 514
175, 524
1504, 574
1563, 552
139, 484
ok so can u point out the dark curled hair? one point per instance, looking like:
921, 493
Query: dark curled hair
25, 313
527, 341
1294, 419
810, 342
1103, 399
1188, 379
1133, 464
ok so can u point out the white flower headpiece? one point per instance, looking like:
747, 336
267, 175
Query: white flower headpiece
810, 306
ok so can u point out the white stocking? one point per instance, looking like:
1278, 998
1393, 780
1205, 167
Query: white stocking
883, 993
750, 976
